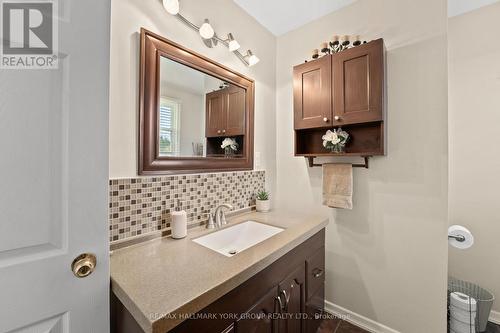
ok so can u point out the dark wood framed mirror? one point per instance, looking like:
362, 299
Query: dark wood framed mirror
189, 106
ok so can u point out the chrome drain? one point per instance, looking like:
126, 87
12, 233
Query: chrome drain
232, 252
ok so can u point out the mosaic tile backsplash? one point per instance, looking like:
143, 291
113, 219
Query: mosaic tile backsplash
139, 206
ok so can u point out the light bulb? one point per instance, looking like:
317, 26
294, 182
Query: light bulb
232, 43
252, 58
171, 6
206, 30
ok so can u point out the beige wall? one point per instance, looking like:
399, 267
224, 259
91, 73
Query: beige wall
128, 16
386, 259
474, 121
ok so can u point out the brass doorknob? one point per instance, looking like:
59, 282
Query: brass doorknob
83, 265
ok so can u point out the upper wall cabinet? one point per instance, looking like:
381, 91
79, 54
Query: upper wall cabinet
345, 89
358, 75
339, 89
312, 84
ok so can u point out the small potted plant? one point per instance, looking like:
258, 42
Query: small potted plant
230, 146
263, 203
335, 140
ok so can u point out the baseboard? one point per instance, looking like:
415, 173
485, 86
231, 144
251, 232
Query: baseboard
373, 326
495, 317
357, 319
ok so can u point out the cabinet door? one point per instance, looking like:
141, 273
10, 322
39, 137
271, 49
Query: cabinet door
235, 111
292, 293
312, 93
358, 84
214, 121
259, 319
314, 308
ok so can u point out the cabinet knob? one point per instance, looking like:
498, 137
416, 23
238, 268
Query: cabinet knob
218, 132
317, 272
325, 119
337, 118
223, 131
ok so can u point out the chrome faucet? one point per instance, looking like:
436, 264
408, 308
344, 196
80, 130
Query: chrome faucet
219, 216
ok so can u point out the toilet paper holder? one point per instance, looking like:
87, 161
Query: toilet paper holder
458, 238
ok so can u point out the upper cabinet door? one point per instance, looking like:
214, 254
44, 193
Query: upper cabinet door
358, 84
312, 86
235, 111
214, 114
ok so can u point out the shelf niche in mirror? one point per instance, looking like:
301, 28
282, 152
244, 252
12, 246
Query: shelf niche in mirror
188, 105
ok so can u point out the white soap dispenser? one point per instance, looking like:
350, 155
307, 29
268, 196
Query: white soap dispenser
178, 224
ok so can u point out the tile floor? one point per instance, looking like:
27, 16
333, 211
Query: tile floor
336, 325
492, 328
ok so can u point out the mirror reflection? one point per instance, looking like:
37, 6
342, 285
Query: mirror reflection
198, 115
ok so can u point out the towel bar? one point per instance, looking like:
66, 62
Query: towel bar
312, 164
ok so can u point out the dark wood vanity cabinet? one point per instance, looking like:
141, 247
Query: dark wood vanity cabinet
344, 89
225, 112
285, 297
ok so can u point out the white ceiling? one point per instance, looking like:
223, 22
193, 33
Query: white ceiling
458, 7
281, 16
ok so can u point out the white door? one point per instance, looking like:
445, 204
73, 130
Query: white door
53, 181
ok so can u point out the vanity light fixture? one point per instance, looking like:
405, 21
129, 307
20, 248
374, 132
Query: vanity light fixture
171, 6
209, 36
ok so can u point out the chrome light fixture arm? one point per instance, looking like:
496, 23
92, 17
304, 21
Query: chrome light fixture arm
248, 59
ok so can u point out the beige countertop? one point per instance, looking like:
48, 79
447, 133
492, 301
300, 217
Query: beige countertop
163, 279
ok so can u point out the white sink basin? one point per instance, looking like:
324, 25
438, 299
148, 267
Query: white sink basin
237, 238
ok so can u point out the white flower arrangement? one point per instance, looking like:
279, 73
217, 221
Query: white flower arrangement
335, 140
229, 143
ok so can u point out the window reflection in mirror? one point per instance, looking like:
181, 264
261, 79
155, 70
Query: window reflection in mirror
169, 126
197, 112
